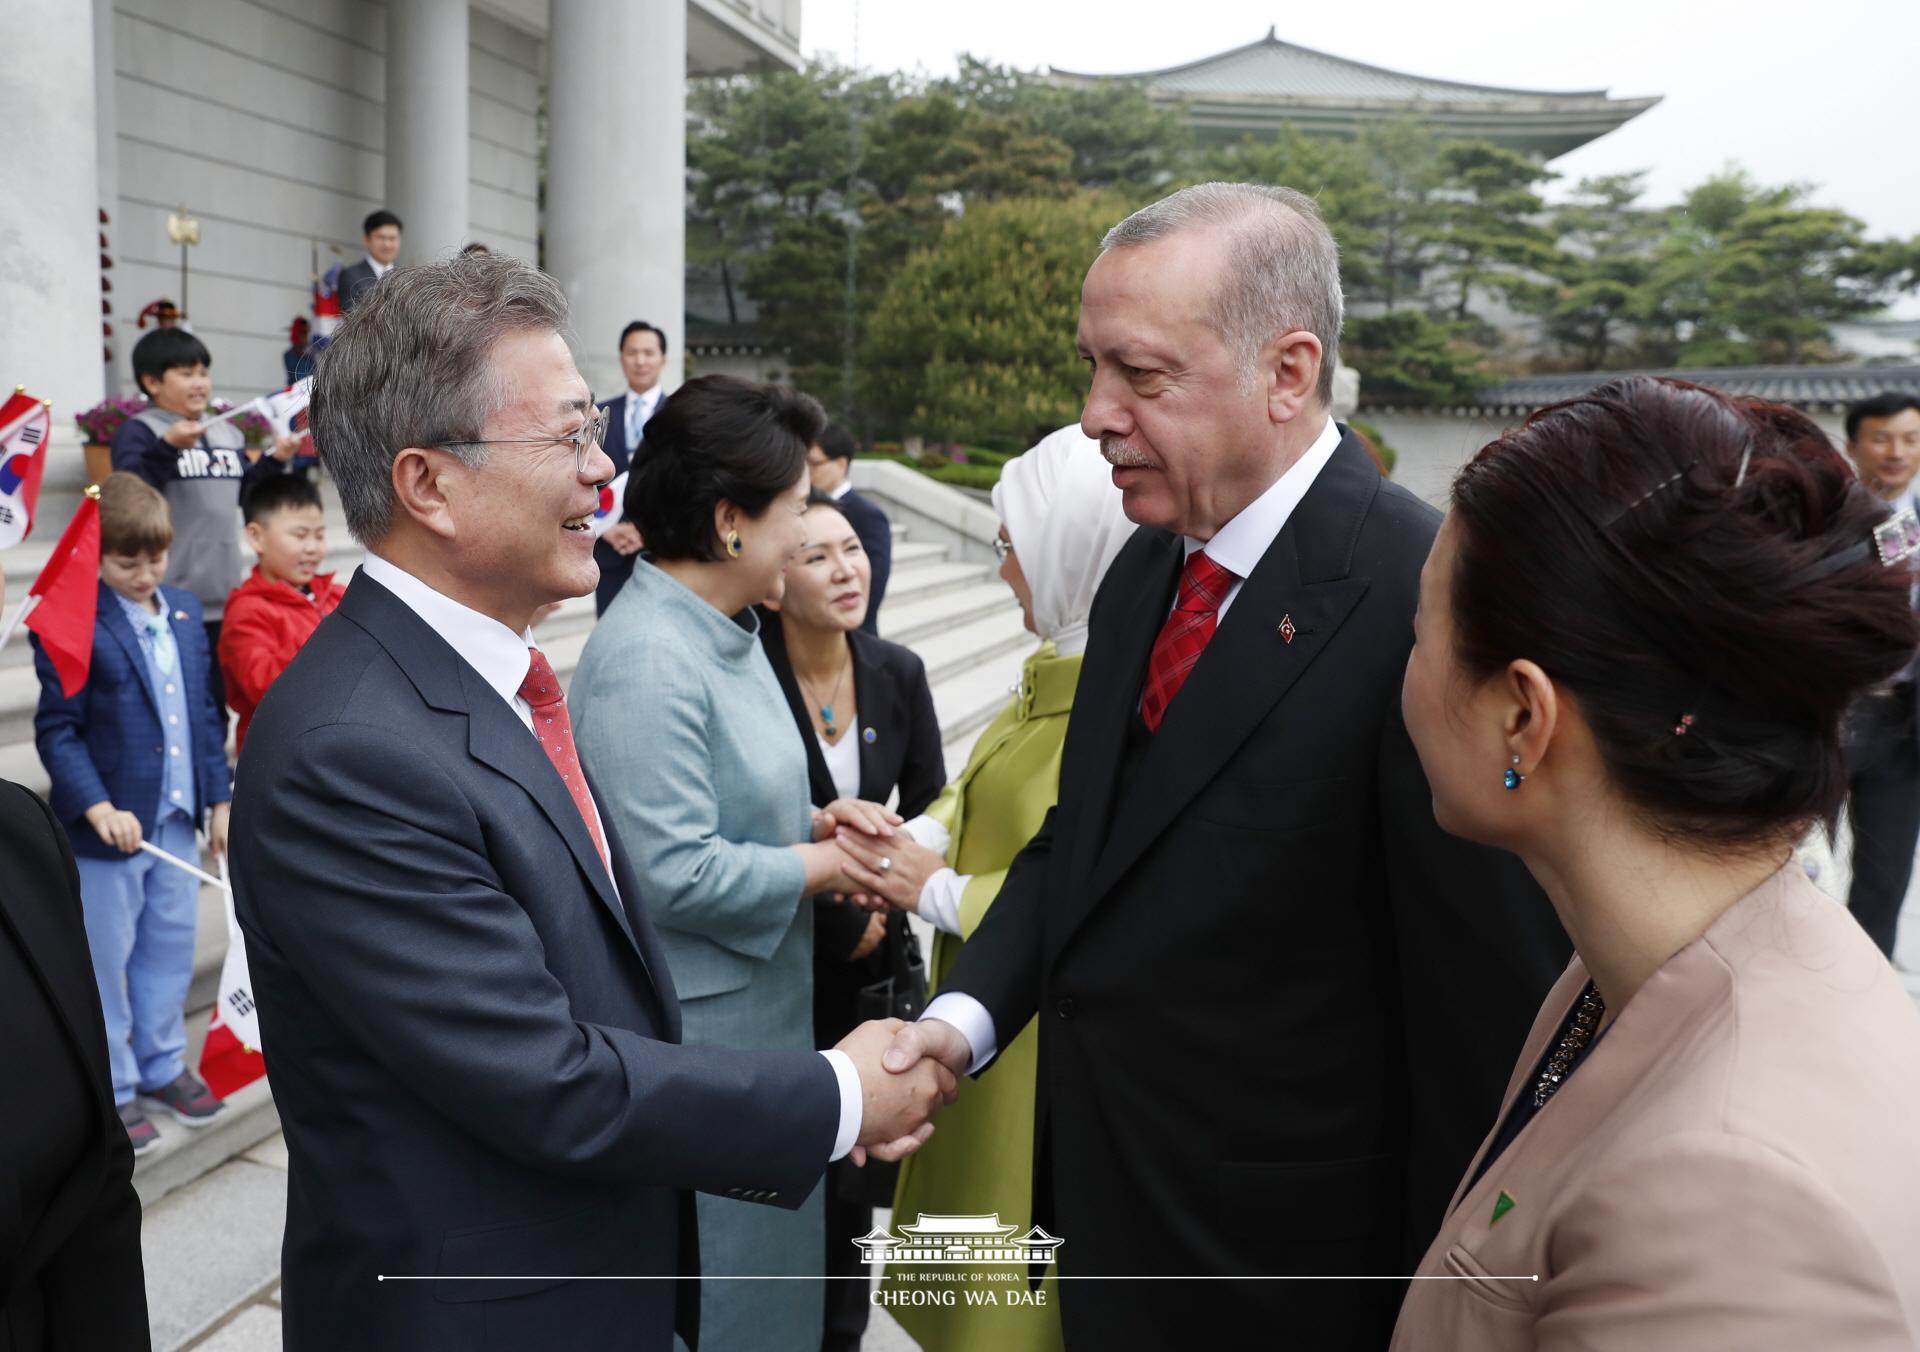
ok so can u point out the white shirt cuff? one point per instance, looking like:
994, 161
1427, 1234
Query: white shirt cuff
929, 834
971, 1018
940, 899
850, 1103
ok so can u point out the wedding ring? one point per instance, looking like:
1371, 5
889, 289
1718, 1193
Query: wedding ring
885, 863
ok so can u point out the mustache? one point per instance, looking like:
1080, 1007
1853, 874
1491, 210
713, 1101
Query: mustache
1122, 455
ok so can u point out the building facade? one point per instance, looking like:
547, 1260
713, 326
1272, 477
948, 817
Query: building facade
1257, 89
958, 1239
279, 124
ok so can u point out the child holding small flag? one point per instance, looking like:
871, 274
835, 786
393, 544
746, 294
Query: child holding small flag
199, 465
283, 601
138, 753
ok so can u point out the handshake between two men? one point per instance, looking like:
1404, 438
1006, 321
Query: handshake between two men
864, 855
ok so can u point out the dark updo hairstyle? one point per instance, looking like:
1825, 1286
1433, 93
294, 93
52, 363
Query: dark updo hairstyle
718, 437
1664, 550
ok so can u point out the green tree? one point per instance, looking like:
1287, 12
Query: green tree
1484, 229
973, 337
1599, 274
1408, 356
1395, 233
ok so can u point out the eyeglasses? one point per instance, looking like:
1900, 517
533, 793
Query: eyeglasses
592, 433
1002, 547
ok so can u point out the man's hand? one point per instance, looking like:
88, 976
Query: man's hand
896, 1106
624, 536
182, 434
217, 828
928, 1039
118, 829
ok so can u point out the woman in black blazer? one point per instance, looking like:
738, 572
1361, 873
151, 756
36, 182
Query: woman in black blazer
70, 1269
866, 715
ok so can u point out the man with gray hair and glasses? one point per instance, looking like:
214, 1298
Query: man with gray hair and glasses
1277, 1004
472, 1030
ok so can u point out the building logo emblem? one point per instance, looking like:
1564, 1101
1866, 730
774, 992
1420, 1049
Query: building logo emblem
957, 1239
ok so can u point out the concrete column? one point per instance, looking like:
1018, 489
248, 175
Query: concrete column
427, 126
107, 139
49, 221
616, 220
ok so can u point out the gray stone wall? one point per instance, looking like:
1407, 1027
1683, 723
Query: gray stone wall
267, 119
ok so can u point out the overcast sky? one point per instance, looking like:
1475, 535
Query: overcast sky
1823, 93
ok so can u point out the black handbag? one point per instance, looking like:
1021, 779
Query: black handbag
902, 992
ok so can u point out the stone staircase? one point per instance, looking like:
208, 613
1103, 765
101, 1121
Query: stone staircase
943, 600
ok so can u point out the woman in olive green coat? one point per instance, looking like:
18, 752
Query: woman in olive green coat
1061, 527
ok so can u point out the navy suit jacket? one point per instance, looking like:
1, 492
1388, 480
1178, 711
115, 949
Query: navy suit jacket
356, 279
471, 1033
615, 567
876, 537
106, 742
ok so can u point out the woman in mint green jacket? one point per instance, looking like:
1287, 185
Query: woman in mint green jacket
1061, 525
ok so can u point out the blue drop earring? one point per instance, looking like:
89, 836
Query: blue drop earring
1514, 779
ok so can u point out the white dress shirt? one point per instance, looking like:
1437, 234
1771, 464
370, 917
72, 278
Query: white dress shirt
846, 485
1238, 547
640, 407
500, 658
379, 269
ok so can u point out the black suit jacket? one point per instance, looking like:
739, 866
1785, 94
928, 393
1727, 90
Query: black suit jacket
903, 752
1278, 1006
70, 1269
356, 279
615, 567
470, 1034
876, 537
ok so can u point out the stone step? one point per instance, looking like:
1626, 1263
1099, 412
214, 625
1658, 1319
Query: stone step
185, 1153
925, 580
915, 619
964, 646
968, 702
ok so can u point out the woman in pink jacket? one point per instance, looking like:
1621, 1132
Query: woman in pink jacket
1639, 632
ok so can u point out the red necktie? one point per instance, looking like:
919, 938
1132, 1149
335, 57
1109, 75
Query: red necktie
1196, 610
554, 727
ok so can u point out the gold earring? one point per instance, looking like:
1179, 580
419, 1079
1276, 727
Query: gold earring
733, 543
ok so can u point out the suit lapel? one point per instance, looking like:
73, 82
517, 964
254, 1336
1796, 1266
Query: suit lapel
1247, 668
497, 738
618, 450
495, 735
873, 700
115, 619
1139, 590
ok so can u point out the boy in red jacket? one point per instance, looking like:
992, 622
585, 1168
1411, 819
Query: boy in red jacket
283, 601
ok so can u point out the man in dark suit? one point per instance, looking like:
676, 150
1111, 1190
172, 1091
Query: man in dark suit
69, 1222
643, 355
1278, 1006
830, 467
470, 1027
381, 232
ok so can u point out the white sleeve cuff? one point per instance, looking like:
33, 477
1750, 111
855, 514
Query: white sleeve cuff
971, 1018
850, 1103
940, 900
929, 834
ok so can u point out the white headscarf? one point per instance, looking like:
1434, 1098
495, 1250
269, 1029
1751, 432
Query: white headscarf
1063, 515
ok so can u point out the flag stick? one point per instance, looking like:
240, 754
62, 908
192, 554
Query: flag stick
20, 613
232, 412
182, 864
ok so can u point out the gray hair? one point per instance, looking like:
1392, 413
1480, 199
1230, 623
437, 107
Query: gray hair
412, 366
1284, 268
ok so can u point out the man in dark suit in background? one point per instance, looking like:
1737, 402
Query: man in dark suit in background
830, 467
1278, 1006
381, 231
469, 1021
643, 355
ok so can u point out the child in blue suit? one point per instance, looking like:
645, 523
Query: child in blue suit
139, 754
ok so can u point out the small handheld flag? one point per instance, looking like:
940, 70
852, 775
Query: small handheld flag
60, 605
25, 425
607, 515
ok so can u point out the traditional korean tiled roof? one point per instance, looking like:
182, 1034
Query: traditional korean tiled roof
1817, 387
1263, 84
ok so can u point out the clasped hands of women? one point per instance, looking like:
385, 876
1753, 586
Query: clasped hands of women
876, 861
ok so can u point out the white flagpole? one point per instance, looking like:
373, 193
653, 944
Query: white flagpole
182, 864
20, 613
233, 412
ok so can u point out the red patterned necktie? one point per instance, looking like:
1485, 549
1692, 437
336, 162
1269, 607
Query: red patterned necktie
1196, 610
554, 727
